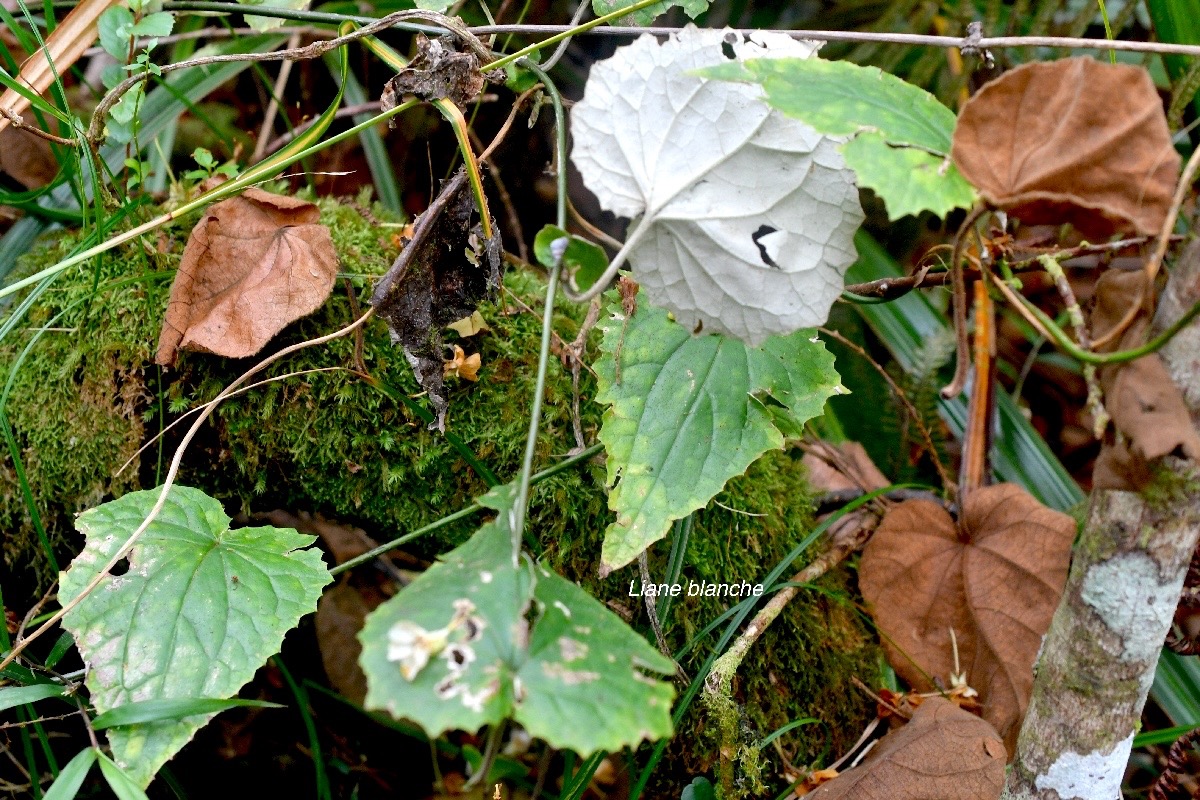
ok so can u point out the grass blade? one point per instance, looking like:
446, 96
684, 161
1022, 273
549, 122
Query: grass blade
13, 696
156, 710
70, 780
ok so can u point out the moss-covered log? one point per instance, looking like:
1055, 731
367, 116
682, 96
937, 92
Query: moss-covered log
85, 396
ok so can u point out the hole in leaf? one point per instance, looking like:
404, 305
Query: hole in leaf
120, 568
758, 236
727, 45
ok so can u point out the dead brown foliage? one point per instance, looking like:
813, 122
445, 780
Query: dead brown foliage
1076, 141
253, 264
943, 753
995, 579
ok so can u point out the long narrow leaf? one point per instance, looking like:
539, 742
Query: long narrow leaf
383, 172
1177, 688
13, 696
70, 780
156, 710
62, 49
122, 785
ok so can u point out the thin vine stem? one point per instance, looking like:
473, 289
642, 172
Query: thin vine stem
570, 31
560, 133
462, 513
1056, 334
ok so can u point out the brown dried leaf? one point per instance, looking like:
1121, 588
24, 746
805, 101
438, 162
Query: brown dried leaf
1147, 407
1076, 140
944, 753
252, 265
74, 34
834, 467
439, 71
440, 277
341, 613
996, 586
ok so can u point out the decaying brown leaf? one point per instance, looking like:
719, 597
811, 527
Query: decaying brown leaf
843, 466
833, 467
252, 265
1146, 406
1076, 140
944, 753
994, 579
440, 277
341, 613
439, 71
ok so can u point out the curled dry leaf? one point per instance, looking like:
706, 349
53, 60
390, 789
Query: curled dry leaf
1146, 406
995, 579
253, 264
438, 72
1076, 141
944, 753
439, 277
75, 33
835, 467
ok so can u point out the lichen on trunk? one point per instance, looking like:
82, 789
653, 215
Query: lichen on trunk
1099, 657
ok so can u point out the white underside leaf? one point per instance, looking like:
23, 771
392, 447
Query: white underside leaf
743, 218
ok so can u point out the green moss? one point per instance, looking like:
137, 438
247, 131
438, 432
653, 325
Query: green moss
1169, 487
87, 397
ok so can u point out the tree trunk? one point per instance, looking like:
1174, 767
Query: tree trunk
1098, 658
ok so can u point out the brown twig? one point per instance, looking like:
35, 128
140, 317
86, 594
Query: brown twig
867, 691
18, 122
512, 116
347, 111
219, 33
962, 341
591, 229
510, 211
1154, 263
837, 550
316, 49
268, 122
892, 288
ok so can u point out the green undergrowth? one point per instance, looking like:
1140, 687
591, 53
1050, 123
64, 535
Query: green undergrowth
88, 395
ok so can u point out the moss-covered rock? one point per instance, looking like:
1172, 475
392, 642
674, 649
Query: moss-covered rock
354, 446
